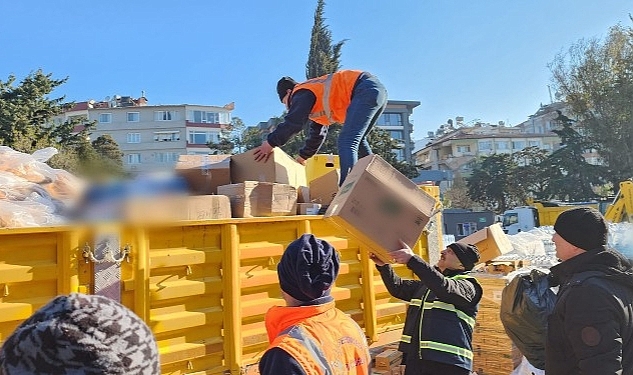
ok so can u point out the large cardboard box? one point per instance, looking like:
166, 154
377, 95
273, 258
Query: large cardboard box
170, 208
491, 242
323, 189
280, 168
204, 173
253, 198
380, 206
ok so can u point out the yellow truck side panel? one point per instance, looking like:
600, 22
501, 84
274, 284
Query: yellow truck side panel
202, 286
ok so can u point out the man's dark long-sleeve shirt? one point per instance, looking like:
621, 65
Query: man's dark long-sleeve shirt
301, 104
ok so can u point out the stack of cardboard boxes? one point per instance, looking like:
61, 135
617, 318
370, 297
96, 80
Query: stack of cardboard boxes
388, 362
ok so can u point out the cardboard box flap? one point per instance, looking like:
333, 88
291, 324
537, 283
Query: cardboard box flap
280, 168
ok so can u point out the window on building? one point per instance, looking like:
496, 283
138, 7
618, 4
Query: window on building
165, 115
397, 134
485, 145
167, 136
166, 157
133, 137
133, 158
203, 117
105, 118
518, 145
501, 145
202, 138
466, 229
133, 117
463, 148
535, 143
390, 119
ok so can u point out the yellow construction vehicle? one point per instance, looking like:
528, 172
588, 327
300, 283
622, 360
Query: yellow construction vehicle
621, 210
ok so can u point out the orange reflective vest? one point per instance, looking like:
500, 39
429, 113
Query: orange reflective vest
321, 338
333, 94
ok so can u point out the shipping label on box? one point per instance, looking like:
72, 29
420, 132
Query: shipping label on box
323, 189
380, 206
280, 168
490, 241
253, 198
204, 173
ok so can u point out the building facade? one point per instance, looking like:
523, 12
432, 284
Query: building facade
152, 137
455, 149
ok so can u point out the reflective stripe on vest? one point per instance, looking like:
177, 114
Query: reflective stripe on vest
415, 302
447, 348
448, 307
327, 89
406, 338
297, 333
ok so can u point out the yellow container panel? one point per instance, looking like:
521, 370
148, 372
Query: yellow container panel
320, 164
203, 287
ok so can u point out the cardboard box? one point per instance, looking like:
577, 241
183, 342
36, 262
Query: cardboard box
323, 189
380, 206
387, 359
253, 198
175, 208
204, 173
303, 194
491, 242
280, 168
308, 208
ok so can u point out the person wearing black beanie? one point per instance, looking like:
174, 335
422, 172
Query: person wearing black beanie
443, 305
310, 332
352, 98
590, 330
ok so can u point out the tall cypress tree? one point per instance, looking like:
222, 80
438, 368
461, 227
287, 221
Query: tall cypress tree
324, 57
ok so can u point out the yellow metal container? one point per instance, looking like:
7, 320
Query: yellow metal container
320, 164
202, 286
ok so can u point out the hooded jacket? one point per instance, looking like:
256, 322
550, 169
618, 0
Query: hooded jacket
590, 330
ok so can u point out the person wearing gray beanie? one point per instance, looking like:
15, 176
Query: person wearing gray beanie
590, 330
81, 334
310, 332
443, 304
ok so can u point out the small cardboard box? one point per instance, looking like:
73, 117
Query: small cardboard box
388, 358
175, 208
280, 168
303, 194
204, 173
253, 198
308, 208
323, 189
491, 242
380, 206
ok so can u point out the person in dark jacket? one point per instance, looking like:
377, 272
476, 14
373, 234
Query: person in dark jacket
437, 334
590, 330
352, 98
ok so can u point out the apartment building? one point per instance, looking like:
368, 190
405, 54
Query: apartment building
454, 148
152, 137
396, 119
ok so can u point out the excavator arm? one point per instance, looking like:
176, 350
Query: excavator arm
621, 210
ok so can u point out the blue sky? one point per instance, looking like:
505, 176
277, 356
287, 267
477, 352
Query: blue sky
484, 60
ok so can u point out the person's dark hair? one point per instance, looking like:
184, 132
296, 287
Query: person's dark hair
283, 85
